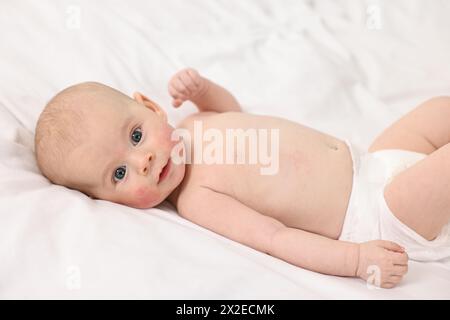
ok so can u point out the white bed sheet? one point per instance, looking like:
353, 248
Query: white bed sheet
338, 66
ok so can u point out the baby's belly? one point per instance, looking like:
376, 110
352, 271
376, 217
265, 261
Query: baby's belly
310, 187
320, 205
311, 190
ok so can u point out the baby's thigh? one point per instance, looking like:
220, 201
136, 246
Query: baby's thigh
424, 129
419, 195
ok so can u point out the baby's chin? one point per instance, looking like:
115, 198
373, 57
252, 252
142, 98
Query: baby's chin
144, 203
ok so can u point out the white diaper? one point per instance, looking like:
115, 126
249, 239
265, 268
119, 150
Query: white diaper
369, 218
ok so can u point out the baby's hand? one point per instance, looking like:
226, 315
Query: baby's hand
384, 263
187, 84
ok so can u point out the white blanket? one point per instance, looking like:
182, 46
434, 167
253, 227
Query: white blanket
344, 67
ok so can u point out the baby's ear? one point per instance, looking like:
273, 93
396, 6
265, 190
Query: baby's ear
140, 98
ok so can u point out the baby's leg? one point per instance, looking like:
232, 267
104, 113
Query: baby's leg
425, 129
420, 195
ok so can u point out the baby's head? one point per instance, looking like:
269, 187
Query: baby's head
95, 139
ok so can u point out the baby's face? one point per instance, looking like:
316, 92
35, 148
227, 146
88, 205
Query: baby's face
127, 156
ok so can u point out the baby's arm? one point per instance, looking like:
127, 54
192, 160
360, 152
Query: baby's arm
225, 215
208, 96
383, 262
315, 252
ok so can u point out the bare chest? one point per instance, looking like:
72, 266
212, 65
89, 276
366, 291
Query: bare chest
303, 179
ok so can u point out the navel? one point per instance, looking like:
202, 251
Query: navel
331, 145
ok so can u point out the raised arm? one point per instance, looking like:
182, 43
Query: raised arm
208, 96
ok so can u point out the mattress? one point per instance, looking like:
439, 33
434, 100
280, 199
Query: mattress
346, 68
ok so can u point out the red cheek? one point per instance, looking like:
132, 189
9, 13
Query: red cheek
166, 137
144, 197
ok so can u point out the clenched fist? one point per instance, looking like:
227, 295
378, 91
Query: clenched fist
187, 84
382, 263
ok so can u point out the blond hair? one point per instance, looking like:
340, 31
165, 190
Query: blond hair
61, 127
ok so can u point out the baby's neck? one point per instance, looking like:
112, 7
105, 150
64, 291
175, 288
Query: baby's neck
173, 196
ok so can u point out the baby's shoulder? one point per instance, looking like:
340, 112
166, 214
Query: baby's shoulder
190, 198
189, 120
217, 118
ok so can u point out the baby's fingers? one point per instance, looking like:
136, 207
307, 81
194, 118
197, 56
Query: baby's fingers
172, 91
391, 282
177, 102
188, 83
400, 258
400, 270
394, 280
180, 88
390, 245
178, 99
175, 93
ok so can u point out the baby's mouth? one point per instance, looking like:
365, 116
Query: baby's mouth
164, 171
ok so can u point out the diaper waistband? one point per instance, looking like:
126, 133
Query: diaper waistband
370, 166
355, 153
368, 178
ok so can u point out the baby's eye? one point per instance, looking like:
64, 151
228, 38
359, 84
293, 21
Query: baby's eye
136, 135
119, 173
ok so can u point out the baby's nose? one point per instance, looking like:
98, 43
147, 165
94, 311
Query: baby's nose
144, 167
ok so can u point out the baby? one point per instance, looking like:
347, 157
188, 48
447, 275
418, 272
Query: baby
325, 206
